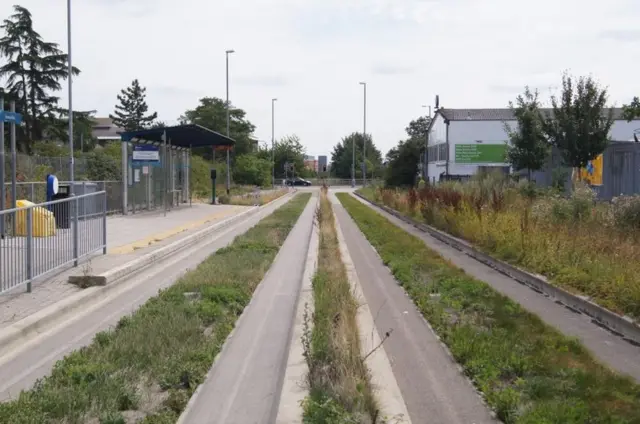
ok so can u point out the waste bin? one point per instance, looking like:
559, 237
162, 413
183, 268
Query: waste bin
62, 211
42, 220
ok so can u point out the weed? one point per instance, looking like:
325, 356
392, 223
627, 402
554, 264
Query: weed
340, 388
542, 232
528, 371
164, 350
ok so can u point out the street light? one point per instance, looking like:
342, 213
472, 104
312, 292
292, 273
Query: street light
70, 77
425, 169
227, 53
364, 132
273, 142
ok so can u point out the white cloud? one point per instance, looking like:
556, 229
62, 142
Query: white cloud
311, 54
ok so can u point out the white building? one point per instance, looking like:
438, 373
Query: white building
463, 141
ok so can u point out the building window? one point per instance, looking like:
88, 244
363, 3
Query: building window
442, 152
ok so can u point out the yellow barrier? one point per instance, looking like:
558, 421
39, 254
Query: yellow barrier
43, 221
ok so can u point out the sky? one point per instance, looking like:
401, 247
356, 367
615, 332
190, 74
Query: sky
312, 54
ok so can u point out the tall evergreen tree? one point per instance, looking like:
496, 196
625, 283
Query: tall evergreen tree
33, 69
131, 113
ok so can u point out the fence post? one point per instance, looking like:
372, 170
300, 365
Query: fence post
74, 216
104, 224
29, 258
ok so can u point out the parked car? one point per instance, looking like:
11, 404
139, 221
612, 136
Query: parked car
298, 182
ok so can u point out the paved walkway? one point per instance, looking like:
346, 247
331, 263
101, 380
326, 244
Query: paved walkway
128, 237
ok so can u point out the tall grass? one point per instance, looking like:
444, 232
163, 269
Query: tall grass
528, 372
340, 388
585, 246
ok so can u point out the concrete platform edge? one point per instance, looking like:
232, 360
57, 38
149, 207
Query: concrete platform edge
47, 317
388, 393
622, 326
294, 387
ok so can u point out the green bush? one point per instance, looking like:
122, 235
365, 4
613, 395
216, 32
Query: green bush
102, 167
252, 170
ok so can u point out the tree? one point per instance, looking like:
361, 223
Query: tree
211, 113
287, 150
131, 113
632, 110
402, 163
33, 69
528, 148
418, 128
580, 122
402, 160
341, 156
252, 170
83, 123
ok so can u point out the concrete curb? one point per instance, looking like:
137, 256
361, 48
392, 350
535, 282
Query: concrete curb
620, 325
108, 281
392, 404
294, 387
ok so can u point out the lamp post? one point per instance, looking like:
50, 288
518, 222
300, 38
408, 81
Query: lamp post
227, 53
364, 133
273, 142
425, 170
70, 79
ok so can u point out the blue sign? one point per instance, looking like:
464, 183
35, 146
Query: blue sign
145, 153
11, 117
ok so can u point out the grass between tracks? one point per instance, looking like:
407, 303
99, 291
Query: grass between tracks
340, 389
146, 369
528, 371
250, 199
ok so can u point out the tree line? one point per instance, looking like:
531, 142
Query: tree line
34, 69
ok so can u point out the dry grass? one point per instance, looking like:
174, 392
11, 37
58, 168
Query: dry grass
338, 376
576, 243
250, 199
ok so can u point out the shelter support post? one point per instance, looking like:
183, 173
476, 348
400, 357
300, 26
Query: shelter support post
125, 178
14, 171
2, 162
188, 173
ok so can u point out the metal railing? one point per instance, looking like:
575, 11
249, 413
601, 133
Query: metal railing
40, 238
36, 191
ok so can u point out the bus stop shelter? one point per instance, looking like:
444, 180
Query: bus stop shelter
156, 164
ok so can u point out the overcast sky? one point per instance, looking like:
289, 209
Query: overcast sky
311, 55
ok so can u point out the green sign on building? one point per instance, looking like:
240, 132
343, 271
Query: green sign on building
481, 153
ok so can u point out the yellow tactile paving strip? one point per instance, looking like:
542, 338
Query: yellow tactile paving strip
158, 237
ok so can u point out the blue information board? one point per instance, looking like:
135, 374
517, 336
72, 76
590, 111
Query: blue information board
10, 117
145, 153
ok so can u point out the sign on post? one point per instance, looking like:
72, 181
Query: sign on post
145, 153
11, 117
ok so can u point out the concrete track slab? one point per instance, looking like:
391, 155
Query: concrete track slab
431, 383
245, 382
